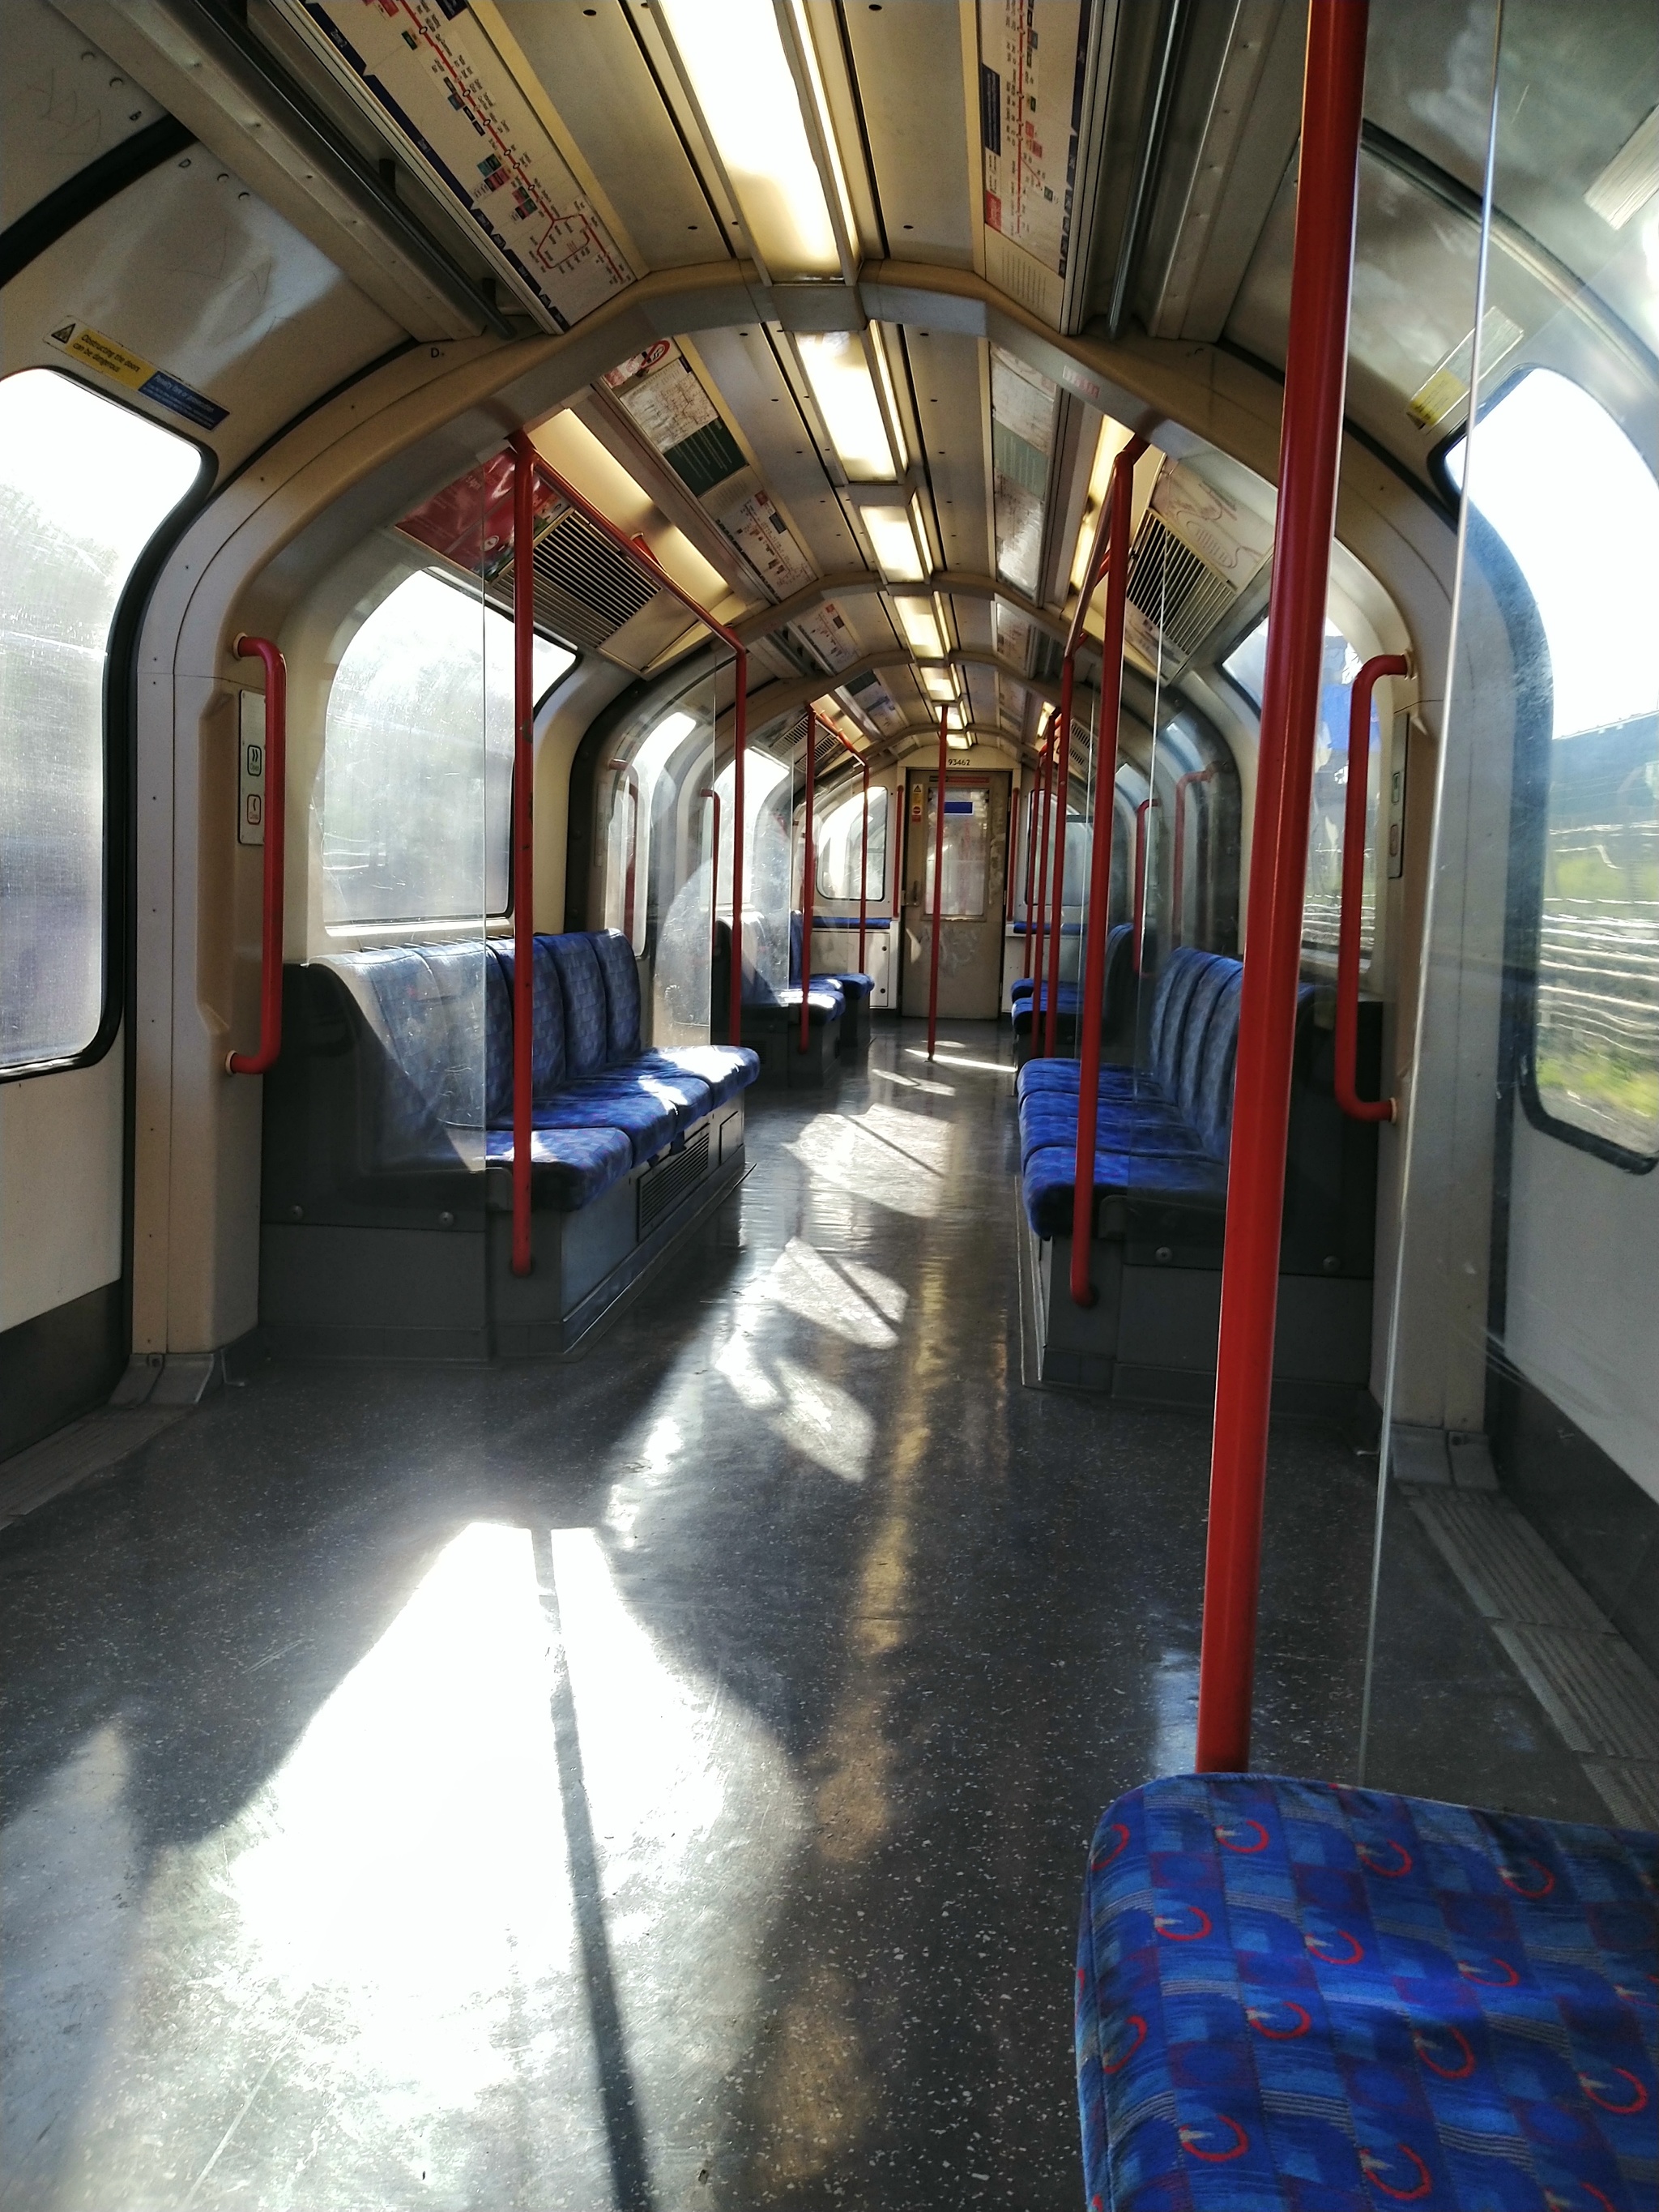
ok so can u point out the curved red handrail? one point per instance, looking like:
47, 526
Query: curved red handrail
1121, 501
938, 888
1321, 276
276, 824
1354, 891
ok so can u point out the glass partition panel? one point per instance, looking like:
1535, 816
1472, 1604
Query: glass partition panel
84, 485
659, 887
967, 850
1514, 1640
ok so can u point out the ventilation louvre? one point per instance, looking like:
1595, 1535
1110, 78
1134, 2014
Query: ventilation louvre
1181, 596
662, 1186
585, 589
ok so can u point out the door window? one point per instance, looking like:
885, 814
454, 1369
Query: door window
967, 851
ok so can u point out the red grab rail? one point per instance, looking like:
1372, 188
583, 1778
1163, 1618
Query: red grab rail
1040, 921
808, 871
1121, 501
1178, 868
1310, 441
938, 891
1354, 891
522, 1257
638, 552
276, 825
1074, 635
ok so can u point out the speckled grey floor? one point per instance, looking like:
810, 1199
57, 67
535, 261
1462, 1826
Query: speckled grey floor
662, 1780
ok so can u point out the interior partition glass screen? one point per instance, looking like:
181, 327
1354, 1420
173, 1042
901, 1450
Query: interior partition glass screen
966, 847
415, 812
84, 485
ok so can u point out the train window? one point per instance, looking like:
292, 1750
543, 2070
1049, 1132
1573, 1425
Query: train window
839, 838
1321, 902
1584, 534
967, 851
84, 486
417, 753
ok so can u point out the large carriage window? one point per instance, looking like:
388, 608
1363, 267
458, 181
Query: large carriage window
84, 485
418, 758
839, 837
1321, 901
1578, 508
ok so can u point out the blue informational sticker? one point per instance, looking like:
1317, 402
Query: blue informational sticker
167, 391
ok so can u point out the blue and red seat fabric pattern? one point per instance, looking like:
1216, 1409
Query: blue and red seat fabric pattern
1293, 1997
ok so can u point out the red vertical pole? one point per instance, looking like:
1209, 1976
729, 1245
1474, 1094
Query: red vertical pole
1039, 920
713, 796
1122, 496
524, 848
864, 868
272, 881
1062, 787
1354, 891
808, 859
1138, 931
1031, 861
1309, 442
740, 745
938, 891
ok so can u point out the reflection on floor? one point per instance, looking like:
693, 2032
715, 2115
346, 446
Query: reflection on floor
663, 1780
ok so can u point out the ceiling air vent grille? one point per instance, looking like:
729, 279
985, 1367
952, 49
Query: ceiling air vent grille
1181, 596
585, 589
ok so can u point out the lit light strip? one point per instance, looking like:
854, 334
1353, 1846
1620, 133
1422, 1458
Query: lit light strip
733, 58
838, 370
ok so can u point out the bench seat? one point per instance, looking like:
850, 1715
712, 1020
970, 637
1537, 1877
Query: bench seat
1118, 994
1295, 1998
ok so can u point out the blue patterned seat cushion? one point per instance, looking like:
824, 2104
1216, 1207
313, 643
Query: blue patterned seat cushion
570, 1168
615, 1098
1047, 1178
547, 1029
854, 984
587, 1005
1295, 1996
723, 1069
621, 971
1122, 1125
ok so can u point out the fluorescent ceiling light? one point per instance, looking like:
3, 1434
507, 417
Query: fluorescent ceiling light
937, 683
733, 55
921, 628
956, 745
895, 543
845, 390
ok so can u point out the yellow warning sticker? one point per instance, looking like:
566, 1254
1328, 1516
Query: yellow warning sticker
111, 358
97, 351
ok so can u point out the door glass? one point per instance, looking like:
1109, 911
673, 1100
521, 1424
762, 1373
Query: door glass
967, 850
1509, 1626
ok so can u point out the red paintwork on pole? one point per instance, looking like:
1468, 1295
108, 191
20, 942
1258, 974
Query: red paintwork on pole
938, 891
807, 870
1030, 864
275, 826
1062, 807
708, 792
1177, 871
1121, 498
1354, 891
638, 552
1309, 443
1039, 920
524, 848
1140, 928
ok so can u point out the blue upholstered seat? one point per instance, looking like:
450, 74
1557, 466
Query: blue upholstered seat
1163, 1131
443, 1018
1293, 1998
852, 984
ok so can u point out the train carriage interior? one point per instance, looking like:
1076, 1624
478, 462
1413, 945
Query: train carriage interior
828, 1098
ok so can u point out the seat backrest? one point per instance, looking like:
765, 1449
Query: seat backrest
440, 1025
621, 971
586, 1009
1174, 987
547, 1032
